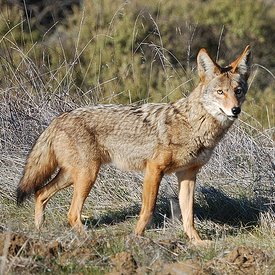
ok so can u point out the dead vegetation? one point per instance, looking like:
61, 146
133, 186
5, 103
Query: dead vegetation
98, 255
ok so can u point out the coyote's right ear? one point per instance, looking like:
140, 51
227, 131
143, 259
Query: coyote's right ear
207, 68
242, 65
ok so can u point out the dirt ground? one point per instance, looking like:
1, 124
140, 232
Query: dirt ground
20, 254
241, 260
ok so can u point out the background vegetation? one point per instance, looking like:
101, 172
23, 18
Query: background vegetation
59, 55
129, 51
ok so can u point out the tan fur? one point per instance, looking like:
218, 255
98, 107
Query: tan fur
155, 138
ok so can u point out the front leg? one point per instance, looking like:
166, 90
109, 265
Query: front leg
187, 180
152, 179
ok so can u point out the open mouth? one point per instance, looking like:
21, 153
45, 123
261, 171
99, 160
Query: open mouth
229, 116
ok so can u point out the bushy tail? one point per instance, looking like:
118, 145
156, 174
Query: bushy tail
40, 164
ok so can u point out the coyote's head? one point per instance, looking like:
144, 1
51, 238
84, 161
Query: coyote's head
224, 89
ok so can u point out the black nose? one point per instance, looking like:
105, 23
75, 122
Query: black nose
236, 110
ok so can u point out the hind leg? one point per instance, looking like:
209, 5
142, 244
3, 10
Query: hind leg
42, 196
84, 180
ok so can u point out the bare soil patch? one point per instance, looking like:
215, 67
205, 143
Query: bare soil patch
241, 260
29, 255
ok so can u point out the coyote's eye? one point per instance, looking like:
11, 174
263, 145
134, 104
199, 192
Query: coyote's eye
220, 92
239, 91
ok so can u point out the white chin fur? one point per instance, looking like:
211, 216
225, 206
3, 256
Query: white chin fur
221, 116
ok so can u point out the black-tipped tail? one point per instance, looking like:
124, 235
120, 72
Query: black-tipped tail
21, 196
40, 164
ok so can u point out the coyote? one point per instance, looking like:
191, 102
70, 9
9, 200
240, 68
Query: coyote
155, 138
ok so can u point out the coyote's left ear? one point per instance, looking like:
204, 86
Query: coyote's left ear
242, 65
207, 68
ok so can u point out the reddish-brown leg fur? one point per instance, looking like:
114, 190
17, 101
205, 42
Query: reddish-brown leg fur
152, 178
84, 180
42, 196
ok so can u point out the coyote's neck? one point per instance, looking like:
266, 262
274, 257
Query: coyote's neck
203, 126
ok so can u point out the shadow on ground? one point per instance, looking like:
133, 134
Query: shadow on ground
213, 205
220, 208
114, 217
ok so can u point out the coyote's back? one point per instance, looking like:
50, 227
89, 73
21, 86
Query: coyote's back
154, 138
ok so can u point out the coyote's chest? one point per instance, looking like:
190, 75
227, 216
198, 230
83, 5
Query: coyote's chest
203, 155
189, 157
202, 147
196, 151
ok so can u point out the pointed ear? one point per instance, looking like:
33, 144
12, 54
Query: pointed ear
242, 64
207, 68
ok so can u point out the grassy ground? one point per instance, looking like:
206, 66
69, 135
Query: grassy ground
234, 208
110, 245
